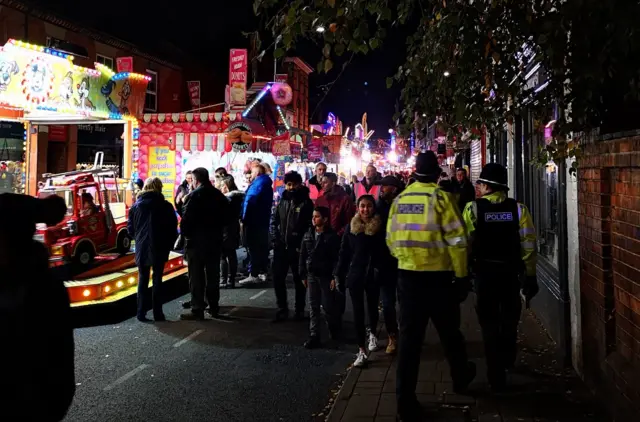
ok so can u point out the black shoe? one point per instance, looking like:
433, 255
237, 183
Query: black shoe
335, 332
312, 343
143, 319
460, 386
192, 316
281, 315
186, 304
298, 316
498, 382
411, 412
160, 318
213, 313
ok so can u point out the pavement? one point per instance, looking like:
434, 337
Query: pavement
242, 368
541, 389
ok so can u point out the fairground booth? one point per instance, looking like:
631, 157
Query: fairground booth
42, 91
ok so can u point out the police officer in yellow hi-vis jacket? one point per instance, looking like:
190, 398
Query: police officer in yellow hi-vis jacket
426, 234
503, 247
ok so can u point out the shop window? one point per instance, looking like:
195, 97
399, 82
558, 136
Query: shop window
104, 60
151, 97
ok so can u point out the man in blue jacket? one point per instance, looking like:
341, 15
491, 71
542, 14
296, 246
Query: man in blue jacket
256, 216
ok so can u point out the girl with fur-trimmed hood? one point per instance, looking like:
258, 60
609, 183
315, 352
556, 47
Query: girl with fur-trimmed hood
363, 244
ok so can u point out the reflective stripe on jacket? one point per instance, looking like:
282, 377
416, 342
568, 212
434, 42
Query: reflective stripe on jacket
528, 241
425, 231
360, 190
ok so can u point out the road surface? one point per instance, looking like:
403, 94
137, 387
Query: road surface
242, 369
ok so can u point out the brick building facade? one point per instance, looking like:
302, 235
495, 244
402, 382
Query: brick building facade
609, 233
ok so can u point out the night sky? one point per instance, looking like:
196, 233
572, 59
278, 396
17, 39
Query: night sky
207, 31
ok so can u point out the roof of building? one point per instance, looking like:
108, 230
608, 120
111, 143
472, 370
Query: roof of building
300, 63
57, 19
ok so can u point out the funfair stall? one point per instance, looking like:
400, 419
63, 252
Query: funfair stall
40, 87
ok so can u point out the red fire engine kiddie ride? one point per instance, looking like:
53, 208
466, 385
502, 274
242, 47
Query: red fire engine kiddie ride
96, 220
93, 241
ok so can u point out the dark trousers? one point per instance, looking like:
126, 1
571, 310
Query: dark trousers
257, 242
320, 293
388, 281
369, 293
204, 278
155, 295
283, 259
228, 265
424, 296
498, 306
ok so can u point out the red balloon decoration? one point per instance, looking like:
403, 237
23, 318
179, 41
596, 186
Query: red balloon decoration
281, 93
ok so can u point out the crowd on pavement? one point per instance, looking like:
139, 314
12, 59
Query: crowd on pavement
414, 240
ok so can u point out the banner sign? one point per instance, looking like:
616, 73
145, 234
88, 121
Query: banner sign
194, 93
314, 150
124, 64
281, 78
238, 76
281, 146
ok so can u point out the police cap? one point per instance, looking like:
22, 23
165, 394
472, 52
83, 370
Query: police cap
494, 174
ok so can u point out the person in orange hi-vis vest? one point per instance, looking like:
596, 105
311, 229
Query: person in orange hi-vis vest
315, 188
370, 185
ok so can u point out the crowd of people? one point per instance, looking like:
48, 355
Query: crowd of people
411, 240
414, 241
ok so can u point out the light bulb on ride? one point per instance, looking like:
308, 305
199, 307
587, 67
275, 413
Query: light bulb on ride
392, 156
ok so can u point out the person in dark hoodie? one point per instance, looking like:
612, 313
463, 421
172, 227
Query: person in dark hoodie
387, 271
291, 220
318, 256
154, 226
202, 225
231, 233
362, 246
38, 380
182, 192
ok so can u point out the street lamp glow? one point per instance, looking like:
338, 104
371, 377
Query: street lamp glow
424, 114
446, 74
390, 130
320, 29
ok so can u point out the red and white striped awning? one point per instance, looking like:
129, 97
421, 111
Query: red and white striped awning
200, 142
190, 117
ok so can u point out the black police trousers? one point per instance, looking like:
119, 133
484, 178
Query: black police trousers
424, 296
498, 306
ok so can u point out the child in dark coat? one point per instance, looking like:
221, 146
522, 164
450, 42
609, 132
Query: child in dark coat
318, 256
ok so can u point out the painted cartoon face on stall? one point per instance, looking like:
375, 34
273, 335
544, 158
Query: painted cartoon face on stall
7, 70
36, 78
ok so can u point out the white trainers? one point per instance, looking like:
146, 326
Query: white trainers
361, 360
249, 280
373, 342
262, 278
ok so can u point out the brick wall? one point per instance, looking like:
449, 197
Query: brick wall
609, 233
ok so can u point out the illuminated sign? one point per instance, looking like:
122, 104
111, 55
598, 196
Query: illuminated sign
42, 80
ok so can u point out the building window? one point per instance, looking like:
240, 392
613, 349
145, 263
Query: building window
542, 195
151, 97
104, 60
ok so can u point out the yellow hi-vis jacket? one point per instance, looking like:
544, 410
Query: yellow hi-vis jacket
425, 231
528, 250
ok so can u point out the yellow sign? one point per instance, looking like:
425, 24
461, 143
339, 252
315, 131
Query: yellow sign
162, 164
38, 78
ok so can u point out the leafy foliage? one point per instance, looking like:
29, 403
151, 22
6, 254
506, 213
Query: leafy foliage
466, 59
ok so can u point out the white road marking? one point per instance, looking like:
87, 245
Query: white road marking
232, 310
126, 376
188, 338
257, 295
